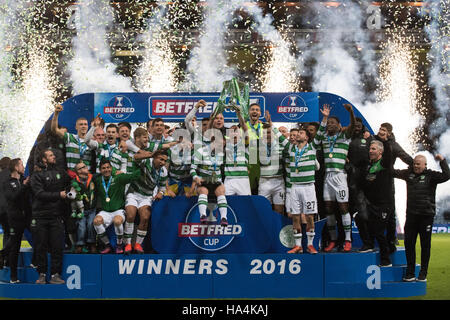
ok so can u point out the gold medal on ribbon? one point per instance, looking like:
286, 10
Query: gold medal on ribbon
296, 170
330, 155
108, 199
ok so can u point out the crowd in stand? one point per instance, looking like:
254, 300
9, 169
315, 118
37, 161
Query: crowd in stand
79, 184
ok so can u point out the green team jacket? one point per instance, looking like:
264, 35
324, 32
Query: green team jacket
116, 191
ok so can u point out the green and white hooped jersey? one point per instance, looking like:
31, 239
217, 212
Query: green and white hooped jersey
335, 149
150, 179
271, 156
179, 162
302, 164
76, 149
206, 165
287, 180
133, 149
236, 159
113, 154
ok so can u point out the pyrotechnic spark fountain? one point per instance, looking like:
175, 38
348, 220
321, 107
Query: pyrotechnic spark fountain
158, 69
91, 67
279, 74
399, 102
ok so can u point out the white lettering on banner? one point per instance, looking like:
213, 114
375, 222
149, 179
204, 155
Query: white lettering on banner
201, 230
108, 110
440, 230
269, 266
172, 266
374, 280
283, 109
178, 107
74, 280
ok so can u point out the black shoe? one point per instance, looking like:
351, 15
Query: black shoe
409, 278
2, 260
422, 277
14, 280
224, 222
365, 248
386, 264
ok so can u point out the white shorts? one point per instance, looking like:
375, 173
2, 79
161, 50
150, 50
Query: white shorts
288, 203
272, 189
138, 200
237, 186
335, 187
109, 216
303, 199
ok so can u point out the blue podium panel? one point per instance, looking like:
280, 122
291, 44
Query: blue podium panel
212, 276
397, 289
270, 276
159, 276
253, 227
348, 267
80, 272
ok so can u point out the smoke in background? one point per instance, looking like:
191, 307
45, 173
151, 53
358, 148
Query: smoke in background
158, 69
91, 68
439, 75
337, 69
28, 91
439, 80
207, 68
279, 74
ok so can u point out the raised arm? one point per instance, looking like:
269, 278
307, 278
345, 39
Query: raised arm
54, 126
440, 177
191, 114
351, 127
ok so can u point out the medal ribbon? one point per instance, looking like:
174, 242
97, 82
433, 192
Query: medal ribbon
299, 156
82, 147
332, 142
110, 150
106, 187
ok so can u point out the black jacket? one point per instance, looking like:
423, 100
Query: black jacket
421, 189
46, 186
397, 151
18, 201
4, 177
377, 182
358, 150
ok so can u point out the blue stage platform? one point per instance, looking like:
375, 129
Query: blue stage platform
203, 276
246, 260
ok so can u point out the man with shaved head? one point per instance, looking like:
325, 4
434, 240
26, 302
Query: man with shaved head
421, 186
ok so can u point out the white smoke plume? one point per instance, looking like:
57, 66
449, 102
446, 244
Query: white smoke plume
279, 75
439, 78
207, 68
91, 69
336, 69
158, 70
27, 94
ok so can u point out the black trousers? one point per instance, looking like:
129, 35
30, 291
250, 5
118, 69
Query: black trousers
377, 222
357, 204
48, 236
12, 246
422, 226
